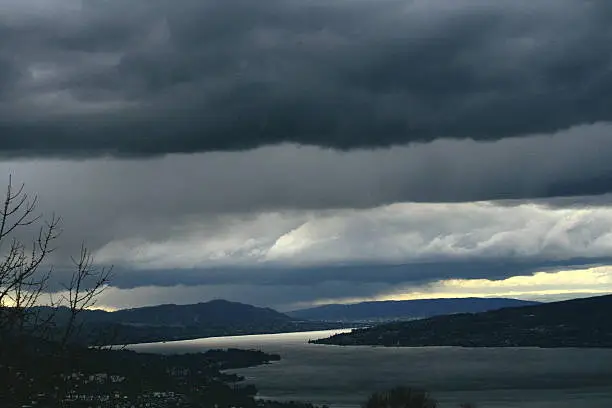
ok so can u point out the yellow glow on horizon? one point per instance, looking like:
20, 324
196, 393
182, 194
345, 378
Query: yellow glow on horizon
104, 308
595, 281
545, 286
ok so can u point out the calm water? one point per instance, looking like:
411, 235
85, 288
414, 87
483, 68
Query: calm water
491, 378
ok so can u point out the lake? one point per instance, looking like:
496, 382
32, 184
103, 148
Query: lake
489, 377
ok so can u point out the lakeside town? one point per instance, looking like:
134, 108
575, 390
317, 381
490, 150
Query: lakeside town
126, 379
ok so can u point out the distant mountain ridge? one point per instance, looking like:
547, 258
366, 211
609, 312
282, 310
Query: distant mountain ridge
178, 322
213, 312
404, 309
572, 323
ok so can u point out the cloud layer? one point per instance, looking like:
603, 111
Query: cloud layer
396, 235
109, 198
148, 77
395, 251
290, 217
286, 151
542, 286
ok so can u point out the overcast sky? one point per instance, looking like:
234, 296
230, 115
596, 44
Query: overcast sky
295, 152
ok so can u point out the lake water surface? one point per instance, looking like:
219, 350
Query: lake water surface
489, 377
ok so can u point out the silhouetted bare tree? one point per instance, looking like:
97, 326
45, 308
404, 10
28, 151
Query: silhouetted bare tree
30, 334
87, 282
22, 279
25, 272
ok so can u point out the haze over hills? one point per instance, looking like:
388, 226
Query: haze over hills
404, 309
573, 323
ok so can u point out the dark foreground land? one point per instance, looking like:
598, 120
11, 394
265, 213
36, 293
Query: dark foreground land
85, 377
573, 323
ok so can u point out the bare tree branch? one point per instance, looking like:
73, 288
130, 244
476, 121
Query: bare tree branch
25, 272
87, 283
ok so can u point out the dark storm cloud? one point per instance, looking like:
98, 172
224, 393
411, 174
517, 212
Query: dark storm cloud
154, 77
165, 189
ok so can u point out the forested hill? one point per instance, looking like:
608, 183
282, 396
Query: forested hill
210, 313
574, 323
404, 309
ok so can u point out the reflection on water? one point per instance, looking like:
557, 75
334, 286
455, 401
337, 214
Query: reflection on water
490, 377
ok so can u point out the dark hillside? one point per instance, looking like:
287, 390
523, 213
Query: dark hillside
573, 323
404, 309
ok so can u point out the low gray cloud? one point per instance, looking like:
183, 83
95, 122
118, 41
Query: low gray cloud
154, 77
373, 279
282, 297
294, 288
